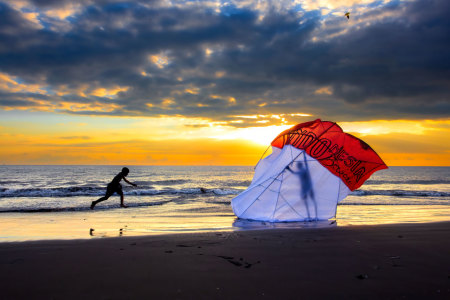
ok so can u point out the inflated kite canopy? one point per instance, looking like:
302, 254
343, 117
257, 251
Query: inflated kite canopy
313, 166
341, 153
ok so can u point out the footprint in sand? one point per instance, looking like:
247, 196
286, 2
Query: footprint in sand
243, 263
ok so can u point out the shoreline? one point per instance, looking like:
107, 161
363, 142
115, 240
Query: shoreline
142, 222
392, 261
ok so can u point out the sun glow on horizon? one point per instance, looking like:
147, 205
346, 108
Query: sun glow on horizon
45, 138
257, 135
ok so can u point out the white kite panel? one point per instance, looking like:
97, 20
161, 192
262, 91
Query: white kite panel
289, 185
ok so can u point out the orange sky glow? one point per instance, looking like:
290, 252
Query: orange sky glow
173, 141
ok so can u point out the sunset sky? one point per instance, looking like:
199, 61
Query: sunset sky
213, 82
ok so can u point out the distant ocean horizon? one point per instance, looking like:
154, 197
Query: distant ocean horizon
52, 201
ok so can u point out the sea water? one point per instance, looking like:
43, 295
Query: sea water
53, 202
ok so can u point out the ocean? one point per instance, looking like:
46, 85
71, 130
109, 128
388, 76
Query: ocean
53, 202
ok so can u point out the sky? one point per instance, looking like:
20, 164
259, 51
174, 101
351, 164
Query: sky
213, 82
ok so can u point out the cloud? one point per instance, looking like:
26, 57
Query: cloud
389, 61
81, 137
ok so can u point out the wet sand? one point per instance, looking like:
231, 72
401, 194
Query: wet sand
404, 261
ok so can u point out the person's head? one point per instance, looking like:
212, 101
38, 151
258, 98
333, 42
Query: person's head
125, 171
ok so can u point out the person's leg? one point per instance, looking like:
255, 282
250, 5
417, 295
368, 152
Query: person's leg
119, 191
108, 194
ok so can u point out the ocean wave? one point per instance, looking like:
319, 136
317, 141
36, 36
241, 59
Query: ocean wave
100, 191
53, 192
400, 193
403, 203
169, 182
96, 191
232, 183
225, 192
418, 182
10, 181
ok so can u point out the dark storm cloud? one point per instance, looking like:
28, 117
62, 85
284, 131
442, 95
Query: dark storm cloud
384, 67
51, 3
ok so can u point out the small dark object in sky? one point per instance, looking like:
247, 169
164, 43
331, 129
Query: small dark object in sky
347, 14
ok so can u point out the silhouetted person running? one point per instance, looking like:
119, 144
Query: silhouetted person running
115, 187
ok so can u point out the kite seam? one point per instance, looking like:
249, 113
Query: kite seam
278, 197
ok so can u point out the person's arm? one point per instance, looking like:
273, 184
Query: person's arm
288, 168
133, 184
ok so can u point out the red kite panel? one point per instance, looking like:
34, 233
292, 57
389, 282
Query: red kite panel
343, 154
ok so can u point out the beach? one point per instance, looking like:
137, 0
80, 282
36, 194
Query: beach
400, 261
179, 238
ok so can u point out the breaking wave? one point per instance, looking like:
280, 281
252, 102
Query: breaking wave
400, 193
424, 182
150, 191
169, 182
99, 191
